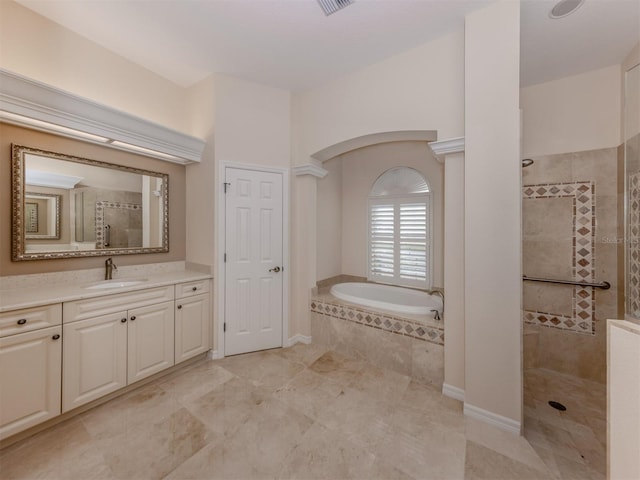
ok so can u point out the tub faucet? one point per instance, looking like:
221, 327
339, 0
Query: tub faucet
109, 266
441, 293
436, 314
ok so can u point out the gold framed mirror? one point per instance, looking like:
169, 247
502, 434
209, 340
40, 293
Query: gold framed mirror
65, 206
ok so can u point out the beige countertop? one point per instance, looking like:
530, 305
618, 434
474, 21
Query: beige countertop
13, 299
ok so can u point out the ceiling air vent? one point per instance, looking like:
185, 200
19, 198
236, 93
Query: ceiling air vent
332, 6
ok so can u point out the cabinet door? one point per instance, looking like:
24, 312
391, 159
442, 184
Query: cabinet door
150, 345
95, 359
30, 367
192, 327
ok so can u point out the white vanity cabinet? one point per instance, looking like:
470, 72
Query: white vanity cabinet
114, 341
30, 367
193, 319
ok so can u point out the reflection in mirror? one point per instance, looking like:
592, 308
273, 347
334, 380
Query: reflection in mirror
65, 206
41, 216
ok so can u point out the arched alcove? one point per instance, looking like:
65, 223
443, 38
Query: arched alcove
342, 196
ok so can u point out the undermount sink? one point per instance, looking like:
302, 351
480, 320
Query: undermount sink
116, 284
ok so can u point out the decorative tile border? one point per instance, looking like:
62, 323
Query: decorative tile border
100, 206
387, 322
633, 261
583, 255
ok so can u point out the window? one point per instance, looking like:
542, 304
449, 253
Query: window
400, 229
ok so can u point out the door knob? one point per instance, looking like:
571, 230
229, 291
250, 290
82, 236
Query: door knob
274, 269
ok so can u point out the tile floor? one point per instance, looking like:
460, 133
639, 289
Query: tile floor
304, 413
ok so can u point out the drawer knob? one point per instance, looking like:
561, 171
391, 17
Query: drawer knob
56, 336
179, 307
194, 288
133, 317
22, 321
124, 320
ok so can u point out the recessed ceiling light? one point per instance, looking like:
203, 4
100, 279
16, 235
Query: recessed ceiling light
564, 8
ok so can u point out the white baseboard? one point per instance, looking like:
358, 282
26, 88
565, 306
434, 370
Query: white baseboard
214, 355
503, 423
298, 339
453, 392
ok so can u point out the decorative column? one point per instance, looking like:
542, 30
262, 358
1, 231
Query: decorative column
451, 153
303, 254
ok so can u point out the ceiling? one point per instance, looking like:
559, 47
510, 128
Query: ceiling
291, 44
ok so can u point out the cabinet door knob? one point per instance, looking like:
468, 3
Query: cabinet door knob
22, 321
179, 307
194, 288
123, 320
56, 337
133, 317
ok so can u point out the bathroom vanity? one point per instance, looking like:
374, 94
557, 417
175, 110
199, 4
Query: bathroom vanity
65, 346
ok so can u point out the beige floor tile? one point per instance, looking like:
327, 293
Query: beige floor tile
304, 412
196, 381
127, 413
483, 463
265, 439
264, 369
227, 406
64, 451
155, 449
337, 367
383, 384
309, 393
301, 353
437, 453
325, 454
359, 417
505, 443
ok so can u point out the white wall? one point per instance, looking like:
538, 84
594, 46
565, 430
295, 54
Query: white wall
360, 169
329, 221
38, 48
421, 89
572, 114
493, 276
252, 123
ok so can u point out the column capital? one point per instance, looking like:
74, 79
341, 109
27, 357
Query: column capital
442, 148
309, 169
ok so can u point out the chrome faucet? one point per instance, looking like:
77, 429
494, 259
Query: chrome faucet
109, 266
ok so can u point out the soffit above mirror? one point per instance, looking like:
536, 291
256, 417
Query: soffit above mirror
33, 104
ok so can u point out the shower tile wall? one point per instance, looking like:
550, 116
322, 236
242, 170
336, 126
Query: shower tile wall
570, 231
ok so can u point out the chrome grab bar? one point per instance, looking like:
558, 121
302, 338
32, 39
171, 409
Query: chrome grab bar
602, 285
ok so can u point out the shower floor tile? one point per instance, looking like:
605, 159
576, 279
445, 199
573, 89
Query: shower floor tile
572, 443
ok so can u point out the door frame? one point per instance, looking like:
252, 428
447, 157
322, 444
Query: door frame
221, 247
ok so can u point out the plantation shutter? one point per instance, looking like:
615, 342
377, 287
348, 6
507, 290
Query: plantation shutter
382, 240
399, 247
412, 243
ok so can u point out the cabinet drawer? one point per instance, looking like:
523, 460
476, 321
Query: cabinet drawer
28, 319
104, 305
190, 289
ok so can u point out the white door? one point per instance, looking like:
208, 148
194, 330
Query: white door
253, 267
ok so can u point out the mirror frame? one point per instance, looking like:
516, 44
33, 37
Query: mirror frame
58, 200
18, 235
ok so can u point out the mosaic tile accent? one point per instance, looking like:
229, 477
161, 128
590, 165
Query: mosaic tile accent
583, 255
633, 252
387, 322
